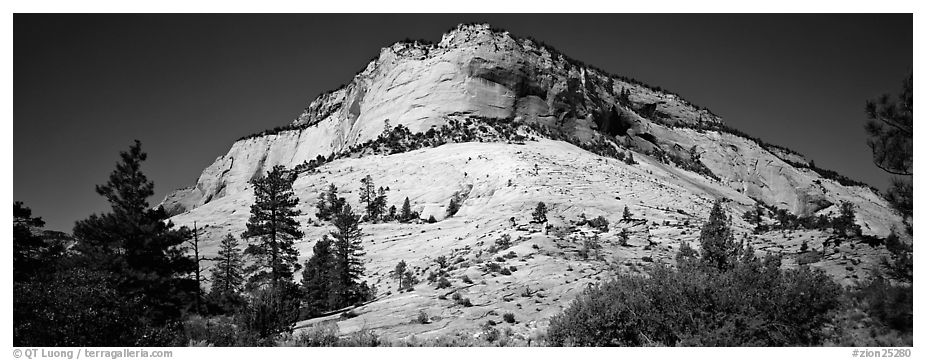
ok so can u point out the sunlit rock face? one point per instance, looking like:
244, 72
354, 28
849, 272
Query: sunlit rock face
473, 71
476, 72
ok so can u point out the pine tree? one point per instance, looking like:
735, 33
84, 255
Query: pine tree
400, 269
718, 249
845, 224
273, 223
540, 213
329, 203
890, 131
317, 276
33, 255
228, 269
136, 244
348, 258
379, 203
627, 216
406, 214
392, 213
455, 202
368, 195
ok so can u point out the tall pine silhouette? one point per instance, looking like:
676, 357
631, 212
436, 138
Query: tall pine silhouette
136, 243
274, 227
890, 131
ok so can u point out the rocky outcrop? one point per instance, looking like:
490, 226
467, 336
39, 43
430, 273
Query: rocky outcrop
476, 71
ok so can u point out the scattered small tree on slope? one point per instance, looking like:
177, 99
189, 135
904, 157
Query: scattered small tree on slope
540, 213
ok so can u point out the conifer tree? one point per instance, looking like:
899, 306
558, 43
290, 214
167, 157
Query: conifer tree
845, 224
400, 269
32, 253
136, 244
348, 258
406, 214
317, 276
718, 248
228, 271
379, 204
273, 224
329, 203
627, 216
540, 213
890, 131
368, 196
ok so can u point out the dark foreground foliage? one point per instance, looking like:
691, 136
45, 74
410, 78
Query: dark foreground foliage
752, 305
726, 296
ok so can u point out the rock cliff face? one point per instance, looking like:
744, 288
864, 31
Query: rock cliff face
686, 159
476, 71
473, 71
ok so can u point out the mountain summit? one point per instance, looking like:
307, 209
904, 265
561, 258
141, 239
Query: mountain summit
498, 124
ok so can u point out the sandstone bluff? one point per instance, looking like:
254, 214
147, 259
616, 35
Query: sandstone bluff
565, 117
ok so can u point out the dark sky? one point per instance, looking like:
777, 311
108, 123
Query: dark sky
187, 86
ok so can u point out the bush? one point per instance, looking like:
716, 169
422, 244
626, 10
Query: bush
431, 219
422, 318
509, 318
215, 331
753, 304
316, 336
272, 312
809, 257
502, 243
443, 283
466, 279
599, 223
890, 304
465, 302
505, 271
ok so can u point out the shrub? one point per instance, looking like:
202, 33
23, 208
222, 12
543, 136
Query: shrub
443, 283
509, 318
890, 304
753, 304
456, 297
599, 223
214, 331
431, 219
422, 317
316, 336
441, 261
505, 271
466, 279
493, 267
465, 302
809, 257
504, 242
489, 333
